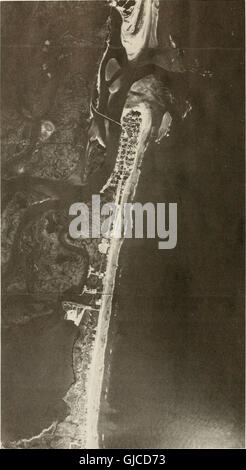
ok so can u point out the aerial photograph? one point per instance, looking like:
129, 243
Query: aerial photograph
122, 224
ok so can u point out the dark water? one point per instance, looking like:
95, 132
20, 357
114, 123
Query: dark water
177, 367
175, 377
36, 357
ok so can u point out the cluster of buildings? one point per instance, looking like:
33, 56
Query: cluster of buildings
91, 297
126, 154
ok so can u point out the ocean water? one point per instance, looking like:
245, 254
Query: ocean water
174, 371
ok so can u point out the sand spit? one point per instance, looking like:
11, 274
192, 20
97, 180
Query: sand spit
80, 427
96, 370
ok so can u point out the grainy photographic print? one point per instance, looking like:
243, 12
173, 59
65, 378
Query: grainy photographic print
122, 227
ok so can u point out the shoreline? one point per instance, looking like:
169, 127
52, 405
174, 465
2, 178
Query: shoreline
97, 369
80, 427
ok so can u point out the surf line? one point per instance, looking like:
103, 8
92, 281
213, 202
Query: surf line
125, 190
